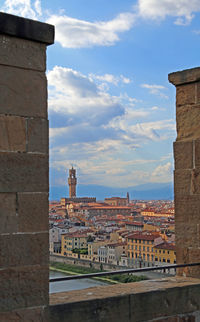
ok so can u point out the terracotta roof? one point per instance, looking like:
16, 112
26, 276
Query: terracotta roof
143, 236
165, 245
134, 223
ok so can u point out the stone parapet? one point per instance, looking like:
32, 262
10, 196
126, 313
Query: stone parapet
24, 165
26, 28
171, 299
185, 76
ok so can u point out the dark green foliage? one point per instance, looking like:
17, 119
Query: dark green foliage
74, 268
128, 278
121, 278
83, 251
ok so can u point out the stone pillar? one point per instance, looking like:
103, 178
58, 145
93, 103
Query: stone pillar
24, 257
187, 169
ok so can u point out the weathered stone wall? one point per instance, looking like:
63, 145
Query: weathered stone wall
23, 169
187, 169
172, 300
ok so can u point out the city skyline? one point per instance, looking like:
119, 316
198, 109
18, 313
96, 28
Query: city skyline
111, 108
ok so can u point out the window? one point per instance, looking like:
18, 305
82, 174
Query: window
164, 260
168, 261
144, 248
136, 247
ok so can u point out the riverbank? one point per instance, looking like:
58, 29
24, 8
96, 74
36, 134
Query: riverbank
115, 279
104, 279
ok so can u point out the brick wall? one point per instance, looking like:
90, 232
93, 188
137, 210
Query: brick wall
187, 169
23, 169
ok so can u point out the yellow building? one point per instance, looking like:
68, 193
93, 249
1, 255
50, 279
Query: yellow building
148, 212
165, 253
71, 241
150, 227
141, 248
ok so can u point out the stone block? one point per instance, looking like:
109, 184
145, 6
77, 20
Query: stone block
187, 235
12, 133
22, 53
187, 209
183, 155
103, 310
8, 216
185, 94
169, 319
24, 249
195, 181
33, 209
188, 119
185, 76
198, 92
26, 28
182, 182
23, 92
22, 287
37, 135
194, 257
38, 314
197, 153
178, 318
23, 172
188, 255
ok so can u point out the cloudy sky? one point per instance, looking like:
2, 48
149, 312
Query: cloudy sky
111, 108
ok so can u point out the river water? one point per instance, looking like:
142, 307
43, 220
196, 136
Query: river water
65, 286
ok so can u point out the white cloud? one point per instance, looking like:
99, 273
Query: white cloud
142, 131
74, 33
83, 112
197, 32
25, 8
182, 10
101, 166
162, 173
109, 78
155, 89
77, 97
157, 108
98, 132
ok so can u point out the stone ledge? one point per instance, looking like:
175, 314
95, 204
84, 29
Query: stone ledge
185, 76
26, 28
141, 301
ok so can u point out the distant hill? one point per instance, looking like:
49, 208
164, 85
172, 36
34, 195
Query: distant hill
150, 191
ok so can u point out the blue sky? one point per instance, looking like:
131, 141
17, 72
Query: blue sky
111, 108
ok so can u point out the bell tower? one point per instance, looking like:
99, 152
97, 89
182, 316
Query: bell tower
72, 181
